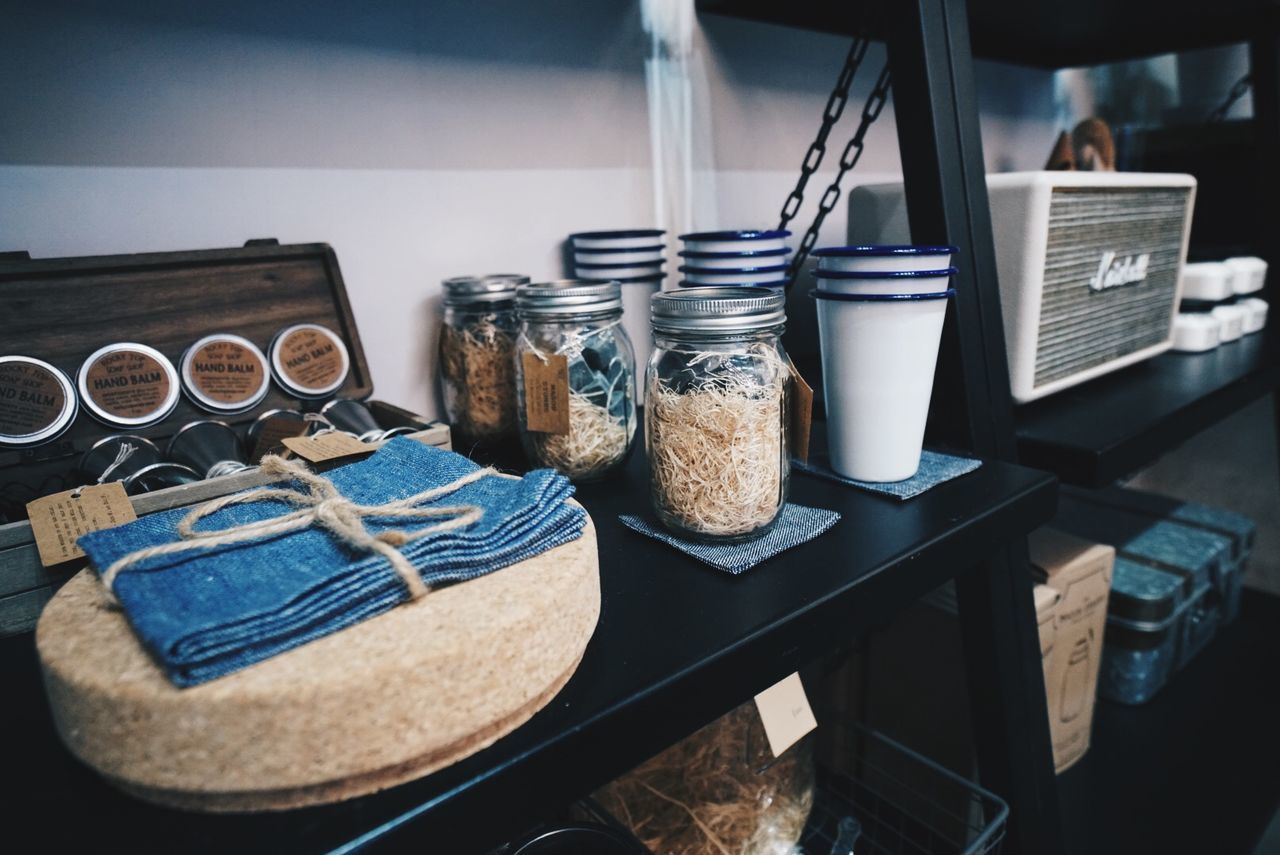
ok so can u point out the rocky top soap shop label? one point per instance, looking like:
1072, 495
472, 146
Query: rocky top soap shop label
226, 371
128, 384
31, 398
311, 359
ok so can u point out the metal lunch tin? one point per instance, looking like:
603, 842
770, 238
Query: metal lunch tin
37, 402
1144, 616
115, 458
128, 385
208, 447
225, 373
309, 360
354, 418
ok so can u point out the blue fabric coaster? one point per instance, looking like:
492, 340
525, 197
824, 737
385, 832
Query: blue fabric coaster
207, 613
796, 525
935, 468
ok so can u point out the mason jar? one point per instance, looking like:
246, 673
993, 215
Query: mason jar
575, 372
477, 342
717, 398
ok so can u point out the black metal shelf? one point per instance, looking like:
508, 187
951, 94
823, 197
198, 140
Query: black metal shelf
1194, 770
1044, 34
1103, 430
678, 644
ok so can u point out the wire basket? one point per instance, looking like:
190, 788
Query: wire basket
889, 800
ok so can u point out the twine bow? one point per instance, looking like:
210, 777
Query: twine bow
324, 506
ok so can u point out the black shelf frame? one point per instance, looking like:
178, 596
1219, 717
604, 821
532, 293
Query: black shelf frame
678, 644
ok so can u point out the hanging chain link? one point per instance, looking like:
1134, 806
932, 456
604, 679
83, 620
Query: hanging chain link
1237, 92
818, 148
848, 160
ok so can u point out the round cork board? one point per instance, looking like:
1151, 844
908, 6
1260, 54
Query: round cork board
377, 704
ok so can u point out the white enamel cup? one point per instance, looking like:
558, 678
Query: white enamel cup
735, 260
642, 255
886, 282
756, 276
622, 239
736, 241
878, 259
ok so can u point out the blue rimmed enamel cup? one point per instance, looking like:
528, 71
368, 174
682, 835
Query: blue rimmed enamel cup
888, 257
884, 282
748, 240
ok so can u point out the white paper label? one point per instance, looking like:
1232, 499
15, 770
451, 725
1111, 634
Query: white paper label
786, 714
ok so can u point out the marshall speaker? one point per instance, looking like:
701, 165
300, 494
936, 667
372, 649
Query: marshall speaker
1089, 263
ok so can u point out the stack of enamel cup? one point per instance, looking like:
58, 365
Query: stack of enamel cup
880, 313
735, 258
634, 259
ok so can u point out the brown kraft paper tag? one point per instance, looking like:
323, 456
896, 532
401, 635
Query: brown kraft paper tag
326, 446
57, 520
546, 393
801, 414
272, 434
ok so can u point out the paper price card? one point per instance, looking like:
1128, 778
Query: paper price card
786, 714
546, 393
57, 520
326, 446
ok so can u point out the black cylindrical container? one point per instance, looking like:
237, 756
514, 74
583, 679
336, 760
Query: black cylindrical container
115, 458
209, 447
355, 418
157, 476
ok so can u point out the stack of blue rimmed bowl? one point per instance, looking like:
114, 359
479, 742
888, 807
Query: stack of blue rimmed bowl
756, 258
632, 256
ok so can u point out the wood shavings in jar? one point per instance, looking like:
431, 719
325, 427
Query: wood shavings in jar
717, 792
476, 364
716, 453
596, 441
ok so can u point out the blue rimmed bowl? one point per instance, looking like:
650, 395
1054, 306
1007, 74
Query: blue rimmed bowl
735, 260
884, 282
883, 258
625, 280
618, 271
621, 239
749, 240
736, 276
626, 255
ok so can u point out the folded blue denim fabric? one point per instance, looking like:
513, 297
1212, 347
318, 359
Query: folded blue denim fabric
206, 613
935, 468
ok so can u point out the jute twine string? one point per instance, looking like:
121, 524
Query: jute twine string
324, 506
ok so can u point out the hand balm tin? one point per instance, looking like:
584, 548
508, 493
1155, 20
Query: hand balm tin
37, 402
224, 373
128, 385
309, 360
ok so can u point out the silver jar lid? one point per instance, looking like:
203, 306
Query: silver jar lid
568, 297
225, 373
724, 309
37, 401
128, 385
494, 288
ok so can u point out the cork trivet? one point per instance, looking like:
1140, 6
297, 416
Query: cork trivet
380, 703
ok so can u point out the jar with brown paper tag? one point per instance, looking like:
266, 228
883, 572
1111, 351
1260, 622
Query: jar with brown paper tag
128, 385
575, 372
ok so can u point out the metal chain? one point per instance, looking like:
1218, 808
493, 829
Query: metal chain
848, 160
1237, 92
830, 115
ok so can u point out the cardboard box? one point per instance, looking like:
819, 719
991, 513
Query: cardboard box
1079, 571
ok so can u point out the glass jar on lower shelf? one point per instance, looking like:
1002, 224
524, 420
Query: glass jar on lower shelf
717, 400
477, 374
584, 423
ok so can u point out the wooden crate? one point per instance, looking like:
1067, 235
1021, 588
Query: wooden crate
61, 310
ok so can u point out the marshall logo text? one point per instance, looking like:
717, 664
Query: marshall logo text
1114, 271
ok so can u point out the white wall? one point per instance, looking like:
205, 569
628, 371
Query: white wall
422, 140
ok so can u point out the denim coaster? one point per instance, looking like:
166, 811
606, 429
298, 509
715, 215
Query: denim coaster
935, 468
796, 525
207, 613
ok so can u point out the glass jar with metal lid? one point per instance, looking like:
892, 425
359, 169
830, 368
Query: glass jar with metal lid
477, 370
575, 377
717, 399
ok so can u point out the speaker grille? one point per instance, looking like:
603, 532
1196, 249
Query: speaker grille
1081, 327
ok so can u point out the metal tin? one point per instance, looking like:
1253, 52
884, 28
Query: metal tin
1140, 649
309, 360
159, 476
128, 385
255, 428
493, 288
568, 297
225, 373
37, 402
115, 458
718, 310
208, 447
354, 418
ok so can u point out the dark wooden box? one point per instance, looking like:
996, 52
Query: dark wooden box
62, 309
